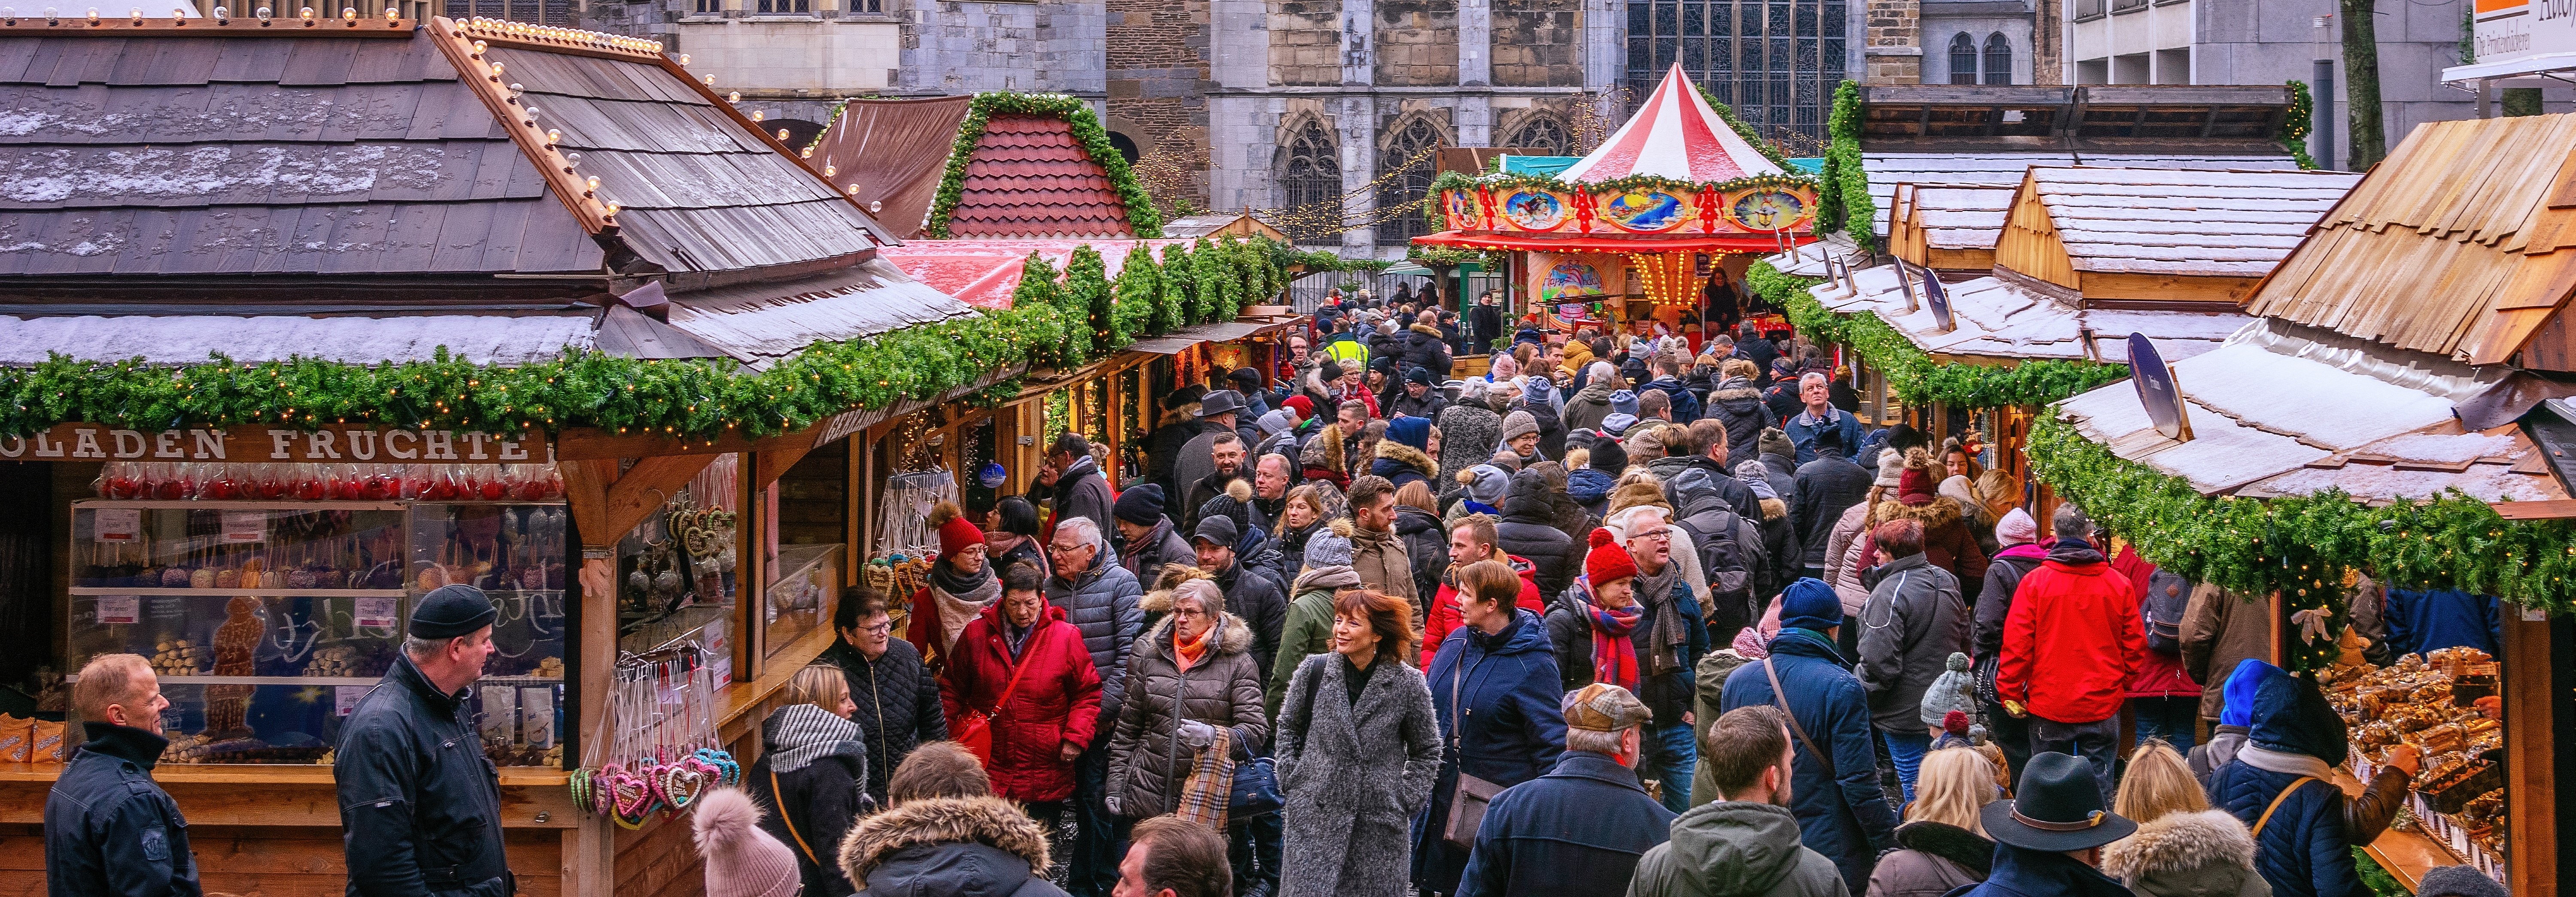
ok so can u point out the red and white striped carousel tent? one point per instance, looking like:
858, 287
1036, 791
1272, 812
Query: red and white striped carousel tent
1676, 135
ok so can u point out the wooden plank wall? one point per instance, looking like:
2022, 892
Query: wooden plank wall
280, 861
2029, 242
658, 861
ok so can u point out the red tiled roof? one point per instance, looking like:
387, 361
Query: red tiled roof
1028, 177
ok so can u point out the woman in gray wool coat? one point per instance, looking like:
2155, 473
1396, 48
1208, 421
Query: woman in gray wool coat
1359, 749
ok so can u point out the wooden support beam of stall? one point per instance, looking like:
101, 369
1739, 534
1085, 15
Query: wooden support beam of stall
2531, 786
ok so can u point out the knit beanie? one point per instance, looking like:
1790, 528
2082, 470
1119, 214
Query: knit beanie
1330, 548
1774, 442
956, 534
1624, 402
1609, 561
2016, 528
1609, 457
1419, 374
1139, 504
1487, 484
1646, 442
1810, 604
742, 860
1329, 371
1914, 486
1891, 468
1951, 692
1518, 424
1472, 390
1504, 367
1538, 390
1410, 430
1617, 424
1305, 406
2459, 881
1275, 422
1955, 723
1757, 478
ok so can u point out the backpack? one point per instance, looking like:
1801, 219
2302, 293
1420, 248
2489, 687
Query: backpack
1731, 553
2167, 596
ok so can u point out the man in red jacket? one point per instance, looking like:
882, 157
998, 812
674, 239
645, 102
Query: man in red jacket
2078, 619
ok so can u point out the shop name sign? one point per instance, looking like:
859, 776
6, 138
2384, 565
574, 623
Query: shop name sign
94, 442
2507, 30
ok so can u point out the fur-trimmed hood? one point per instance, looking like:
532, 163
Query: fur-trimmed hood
2184, 847
1234, 636
1401, 453
1427, 330
1774, 509
1321, 448
1942, 511
988, 821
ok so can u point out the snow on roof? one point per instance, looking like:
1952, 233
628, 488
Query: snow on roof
1886, 170
2275, 414
1999, 318
759, 324
2180, 221
1809, 260
1954, 217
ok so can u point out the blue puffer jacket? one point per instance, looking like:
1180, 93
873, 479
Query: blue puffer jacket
1844, 816
1101, 603
2302, 850
1509, 727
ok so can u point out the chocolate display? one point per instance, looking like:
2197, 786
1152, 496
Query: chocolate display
2429, 701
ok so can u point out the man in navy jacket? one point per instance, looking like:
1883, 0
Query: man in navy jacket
1578, 830
1842, 813
108, 829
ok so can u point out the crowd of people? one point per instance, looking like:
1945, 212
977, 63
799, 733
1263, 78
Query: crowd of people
1647, 614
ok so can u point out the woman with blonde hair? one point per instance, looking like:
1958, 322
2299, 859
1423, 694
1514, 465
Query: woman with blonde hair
1302, 516
811, 779
1943, 844
2182, 847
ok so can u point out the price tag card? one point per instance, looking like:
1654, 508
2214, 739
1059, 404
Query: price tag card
245, 526
345, 698
376, 612
120, 609
117, 524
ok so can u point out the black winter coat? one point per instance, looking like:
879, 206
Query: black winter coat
1426, 544
1254, 594
812, 804
111, 832
1427, 348
898, 701
420, 806
1527, 530
1826, 488
1740, 408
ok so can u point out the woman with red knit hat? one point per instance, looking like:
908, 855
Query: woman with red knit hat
961, 585
1593, 623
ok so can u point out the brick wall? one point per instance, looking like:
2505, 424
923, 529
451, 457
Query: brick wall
1895, 24
1538, 43
1417, 43
1305, 42
1158, 80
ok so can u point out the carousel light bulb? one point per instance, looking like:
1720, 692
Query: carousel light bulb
592, 183
264, 14
782, 135
709, 80
392, 14
684, 59
307, 14
348, 13
553, 137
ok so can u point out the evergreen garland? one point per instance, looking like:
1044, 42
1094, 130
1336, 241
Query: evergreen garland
1229, 279
1087, 131
1846, 176
1915, 376
2300, 546
1086, 293
1207, 277
1138, 297
1037, 288
2300, 120
1180, 289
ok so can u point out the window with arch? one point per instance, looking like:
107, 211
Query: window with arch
1999, 65
1403, 180
1542, 132
1963, 59
1312, 180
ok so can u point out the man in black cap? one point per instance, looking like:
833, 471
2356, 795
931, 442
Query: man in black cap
420, 809
1219, 412
1147, 538
2048, 840
1256, 401
1421, 396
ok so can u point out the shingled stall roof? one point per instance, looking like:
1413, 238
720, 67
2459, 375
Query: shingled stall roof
474, 171
2160, 235
893, 151
1948, 227
1029, 178
2458, 244
2285, 410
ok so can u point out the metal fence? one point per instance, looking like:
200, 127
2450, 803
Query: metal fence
1308, 291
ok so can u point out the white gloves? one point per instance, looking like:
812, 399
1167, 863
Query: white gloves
1196, 734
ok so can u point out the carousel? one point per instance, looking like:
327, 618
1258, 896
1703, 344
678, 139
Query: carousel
1655, 226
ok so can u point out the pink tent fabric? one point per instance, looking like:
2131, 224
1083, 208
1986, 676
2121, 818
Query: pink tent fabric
1674, 134
984, 273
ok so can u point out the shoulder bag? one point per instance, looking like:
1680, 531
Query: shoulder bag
1467, 803
975, 731
1781, 699
2266, 818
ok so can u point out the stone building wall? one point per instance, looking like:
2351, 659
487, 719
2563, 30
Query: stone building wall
964, 46
1895, 51
1417, 43
1537, 43
1157, 81
1304, 42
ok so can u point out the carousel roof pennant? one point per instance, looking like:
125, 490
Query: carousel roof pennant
1676, 135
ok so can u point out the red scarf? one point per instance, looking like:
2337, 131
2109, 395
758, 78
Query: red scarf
1614, 653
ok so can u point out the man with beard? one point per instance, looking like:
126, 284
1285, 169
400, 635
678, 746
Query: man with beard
1194, 460
1226, 450
1750, 834
1073, 482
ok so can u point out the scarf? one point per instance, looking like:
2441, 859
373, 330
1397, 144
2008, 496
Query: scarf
799, 734
961, 599
1748, 644
1478, 507
1665, 632
1614, 651
1015, 635
1189, 653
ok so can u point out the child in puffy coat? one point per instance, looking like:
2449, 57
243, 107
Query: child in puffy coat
1954, 689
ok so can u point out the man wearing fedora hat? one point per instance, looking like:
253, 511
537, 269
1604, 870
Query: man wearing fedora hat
2048, 840
1218, 412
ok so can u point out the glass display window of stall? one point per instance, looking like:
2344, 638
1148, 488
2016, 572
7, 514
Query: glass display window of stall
676, 569
270, 597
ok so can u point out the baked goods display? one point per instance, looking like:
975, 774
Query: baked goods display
2429, 701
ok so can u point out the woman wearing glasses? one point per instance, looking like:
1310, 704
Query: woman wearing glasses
895, 698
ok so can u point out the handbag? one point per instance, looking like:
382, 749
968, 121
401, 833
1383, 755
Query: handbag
975, 731
1468, 802
1256, 790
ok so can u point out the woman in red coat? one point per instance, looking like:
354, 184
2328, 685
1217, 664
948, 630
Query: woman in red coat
1049, 717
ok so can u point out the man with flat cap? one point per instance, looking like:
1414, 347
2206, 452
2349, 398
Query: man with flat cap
2048, 841
420, 807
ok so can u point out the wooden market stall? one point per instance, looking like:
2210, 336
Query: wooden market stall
2361, 376
1635, 232
495, 207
